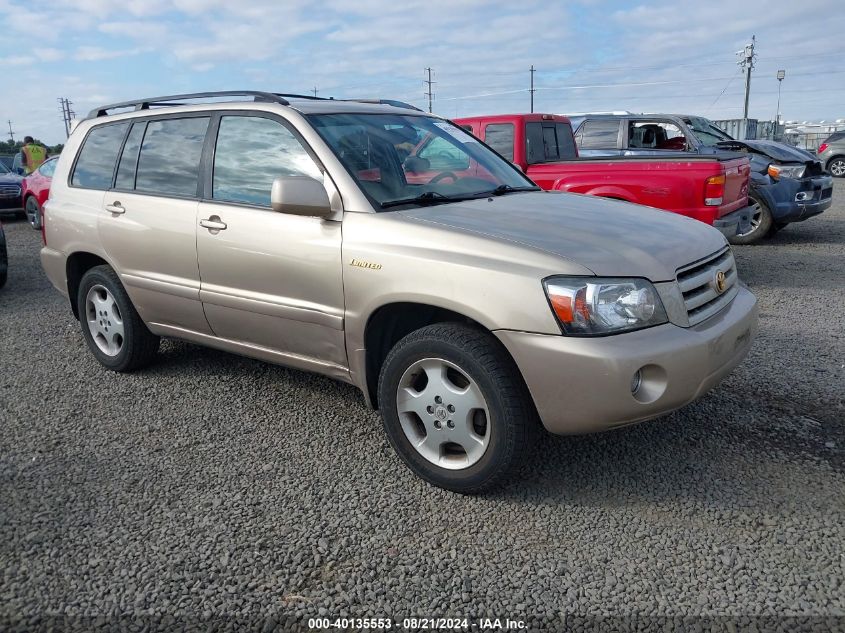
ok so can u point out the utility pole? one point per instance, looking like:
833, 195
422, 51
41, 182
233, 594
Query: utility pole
429, 94
747, 63
67, 114
11, 133
531, 90
781, 75
315, 92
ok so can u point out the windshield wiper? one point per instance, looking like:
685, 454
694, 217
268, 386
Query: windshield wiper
429, 197
503, 189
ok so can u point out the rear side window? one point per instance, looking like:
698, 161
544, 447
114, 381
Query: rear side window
169, 162
129, 158
836, 136
598, 134
499, 136
95, 165
252, 152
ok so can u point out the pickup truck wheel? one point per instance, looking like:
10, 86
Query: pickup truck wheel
455, 408
837, 167
761, 223
111, 326
33, 212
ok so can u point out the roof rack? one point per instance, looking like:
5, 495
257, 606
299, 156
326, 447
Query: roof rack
174, 100
258, 95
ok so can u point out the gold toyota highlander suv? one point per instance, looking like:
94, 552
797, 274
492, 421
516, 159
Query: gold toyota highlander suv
388, 248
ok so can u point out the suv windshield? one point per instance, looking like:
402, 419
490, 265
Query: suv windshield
706, 132
416, 160
4, 169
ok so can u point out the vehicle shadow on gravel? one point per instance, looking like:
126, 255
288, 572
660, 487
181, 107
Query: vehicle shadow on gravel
679, 456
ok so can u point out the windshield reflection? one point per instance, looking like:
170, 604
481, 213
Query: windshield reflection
415, 160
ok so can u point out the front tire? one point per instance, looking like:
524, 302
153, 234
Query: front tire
761, 224
110, 324
455, 408
33, 212
836, 167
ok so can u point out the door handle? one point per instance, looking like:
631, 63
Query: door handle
115, 207
213, 223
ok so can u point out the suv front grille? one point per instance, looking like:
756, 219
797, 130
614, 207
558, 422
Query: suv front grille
9, 191
698, 283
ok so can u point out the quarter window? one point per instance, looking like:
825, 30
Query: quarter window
95, 164
598, 134
169, 161
129, 158
252, 152
499, 136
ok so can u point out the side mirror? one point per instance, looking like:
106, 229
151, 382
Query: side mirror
300, 195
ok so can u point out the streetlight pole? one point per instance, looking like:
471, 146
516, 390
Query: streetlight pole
781, 75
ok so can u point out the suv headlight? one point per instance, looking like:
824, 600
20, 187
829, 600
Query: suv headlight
591, 306
787, 171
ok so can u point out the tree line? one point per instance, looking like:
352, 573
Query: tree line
9, 147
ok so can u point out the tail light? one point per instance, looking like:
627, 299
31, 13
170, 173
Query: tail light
714, 190
822, 148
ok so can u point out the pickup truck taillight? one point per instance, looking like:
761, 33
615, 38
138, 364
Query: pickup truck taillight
714, 190
822, 148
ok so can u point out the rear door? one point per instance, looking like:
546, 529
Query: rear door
147, 224
271, 280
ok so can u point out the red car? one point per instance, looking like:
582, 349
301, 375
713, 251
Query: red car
34, 191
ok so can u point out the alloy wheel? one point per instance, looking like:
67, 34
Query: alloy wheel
443, 413
105, 322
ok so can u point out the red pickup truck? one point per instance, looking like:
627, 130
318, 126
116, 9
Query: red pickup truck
713, 189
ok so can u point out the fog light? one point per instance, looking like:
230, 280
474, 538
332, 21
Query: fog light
636, 381
803, 196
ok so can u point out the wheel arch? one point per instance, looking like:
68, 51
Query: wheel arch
831, 159
77, 265
393, 321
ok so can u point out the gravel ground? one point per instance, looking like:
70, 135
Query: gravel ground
216, 491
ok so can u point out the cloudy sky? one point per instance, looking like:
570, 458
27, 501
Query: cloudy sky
663, 55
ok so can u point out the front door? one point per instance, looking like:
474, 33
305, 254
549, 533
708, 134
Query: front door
268, 279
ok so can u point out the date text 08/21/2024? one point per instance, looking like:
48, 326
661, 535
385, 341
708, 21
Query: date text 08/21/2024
418, 624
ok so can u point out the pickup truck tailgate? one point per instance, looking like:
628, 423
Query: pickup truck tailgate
737, 172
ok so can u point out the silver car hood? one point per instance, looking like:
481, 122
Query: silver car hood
609, 237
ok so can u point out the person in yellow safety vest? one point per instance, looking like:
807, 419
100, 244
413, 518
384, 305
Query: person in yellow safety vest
33, 155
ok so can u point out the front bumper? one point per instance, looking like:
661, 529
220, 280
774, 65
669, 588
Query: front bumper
11, 204
735, 223
583, 385
792, 200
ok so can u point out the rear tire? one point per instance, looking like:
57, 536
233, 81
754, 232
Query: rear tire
761, 224
110, 324
33, 212
476, 420
836, 167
